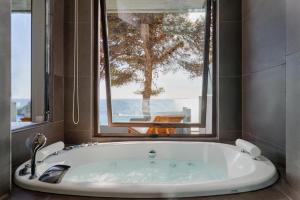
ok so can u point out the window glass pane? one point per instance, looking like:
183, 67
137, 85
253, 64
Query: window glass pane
21, 61
156, 54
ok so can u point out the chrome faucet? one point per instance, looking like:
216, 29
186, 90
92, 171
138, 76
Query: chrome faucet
38, 142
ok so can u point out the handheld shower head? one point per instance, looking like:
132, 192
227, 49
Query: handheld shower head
38, 142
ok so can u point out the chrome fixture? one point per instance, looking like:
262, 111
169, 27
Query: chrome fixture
24, 171
152, 154
38, 142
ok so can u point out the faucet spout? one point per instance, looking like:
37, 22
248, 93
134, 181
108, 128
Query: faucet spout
38, 142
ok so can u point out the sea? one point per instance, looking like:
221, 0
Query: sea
17, 106
123, 110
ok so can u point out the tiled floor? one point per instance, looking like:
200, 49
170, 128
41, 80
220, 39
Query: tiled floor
279, 191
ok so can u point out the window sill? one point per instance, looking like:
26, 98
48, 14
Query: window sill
101, 138
21, 126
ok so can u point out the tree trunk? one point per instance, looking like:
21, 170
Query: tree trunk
147, 91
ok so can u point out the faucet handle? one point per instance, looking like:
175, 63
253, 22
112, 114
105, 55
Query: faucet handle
24, 171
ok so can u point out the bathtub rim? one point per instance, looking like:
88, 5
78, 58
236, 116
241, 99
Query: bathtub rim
166, 193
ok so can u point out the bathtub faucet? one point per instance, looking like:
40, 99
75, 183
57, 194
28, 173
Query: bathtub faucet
38, 142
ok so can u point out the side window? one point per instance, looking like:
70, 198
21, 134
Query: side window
29, 62
21, 61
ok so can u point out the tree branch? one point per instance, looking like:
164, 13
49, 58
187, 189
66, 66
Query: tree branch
165, 55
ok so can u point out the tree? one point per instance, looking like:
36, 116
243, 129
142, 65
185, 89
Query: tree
143, 44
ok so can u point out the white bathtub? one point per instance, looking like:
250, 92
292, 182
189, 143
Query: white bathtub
193, 168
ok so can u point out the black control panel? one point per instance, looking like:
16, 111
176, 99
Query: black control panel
54, 174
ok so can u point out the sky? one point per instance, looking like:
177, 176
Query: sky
21, 55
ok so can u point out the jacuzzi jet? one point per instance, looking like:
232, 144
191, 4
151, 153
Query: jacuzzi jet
152, 162
113, 164
152, 154
173, 165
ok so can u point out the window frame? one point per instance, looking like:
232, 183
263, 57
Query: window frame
100, 17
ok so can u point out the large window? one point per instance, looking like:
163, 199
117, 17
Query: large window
156, 67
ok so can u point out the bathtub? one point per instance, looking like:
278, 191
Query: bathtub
153, 170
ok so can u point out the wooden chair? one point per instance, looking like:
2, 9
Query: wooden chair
158, 130
26, 119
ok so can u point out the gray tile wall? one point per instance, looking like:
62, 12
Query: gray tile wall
82, 132
54, 131
5, 97
293, 94
57, 33
230, 69
263, 80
